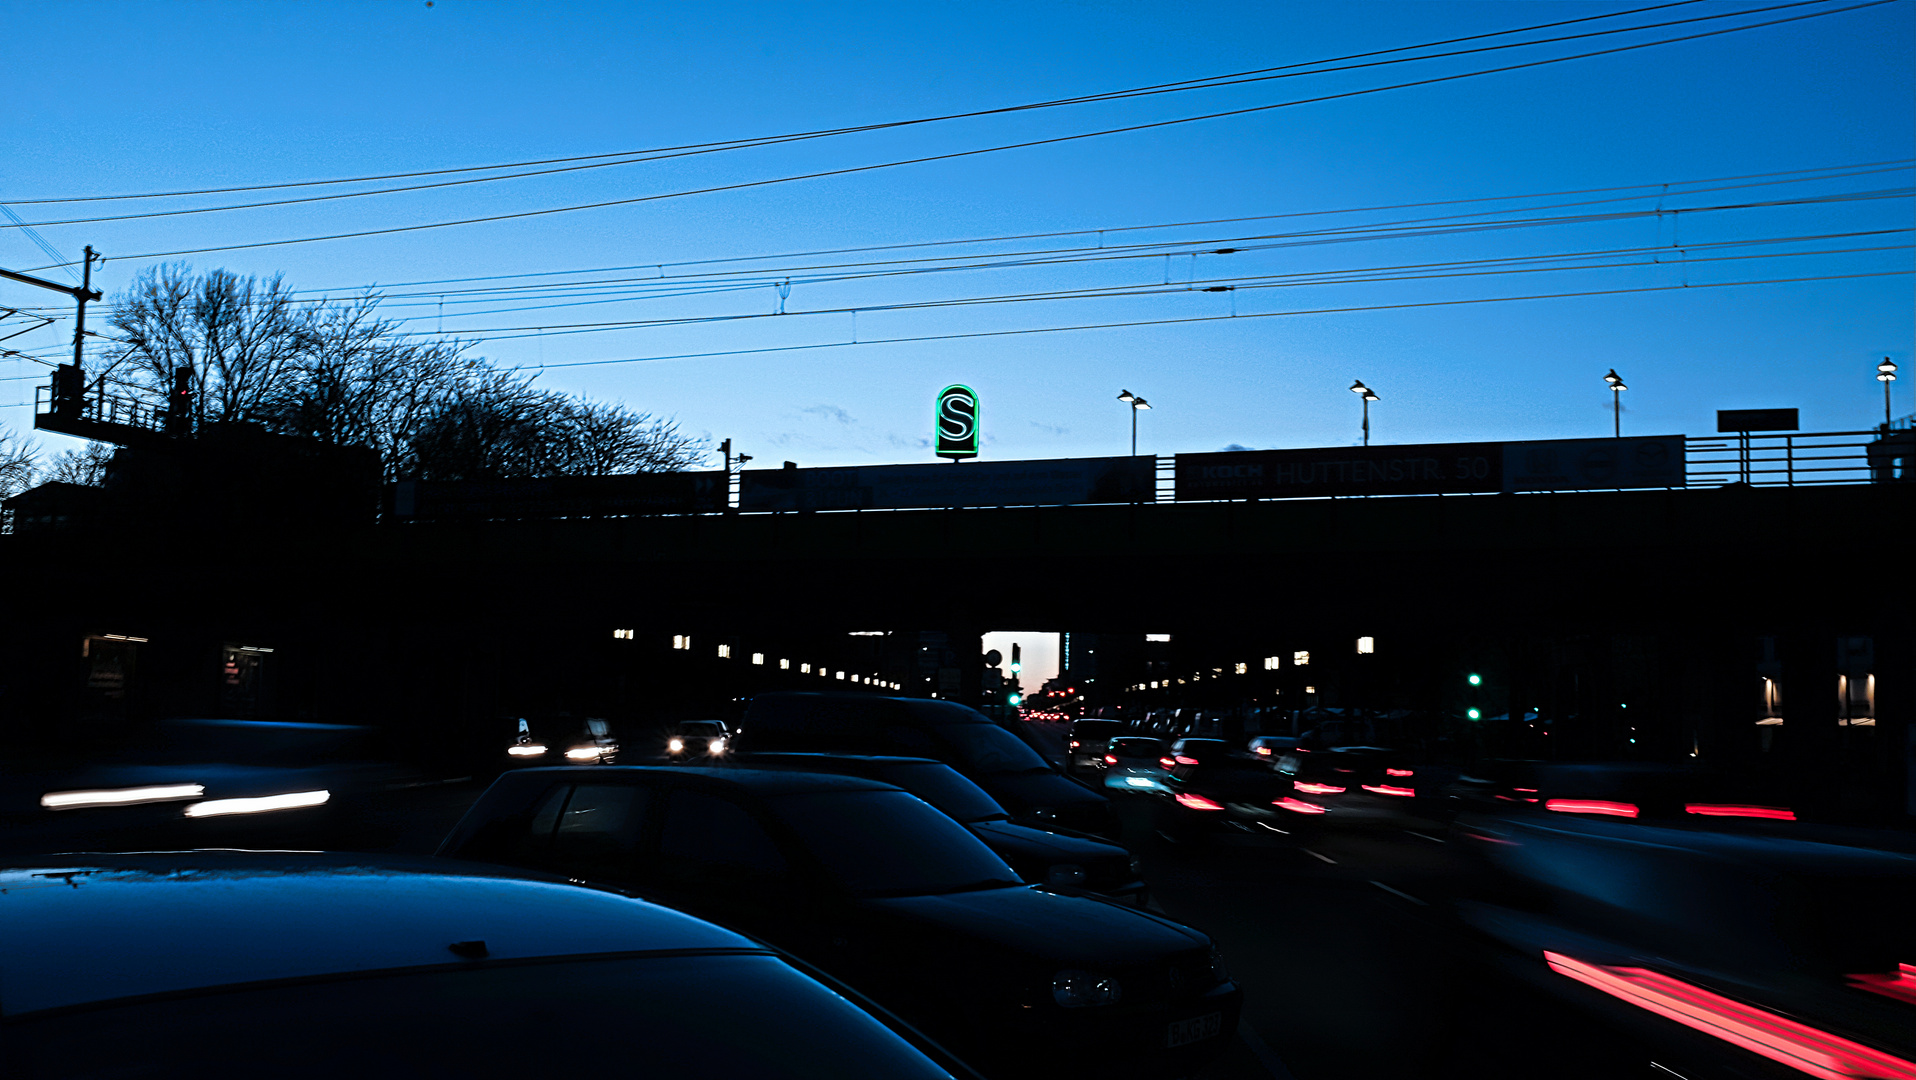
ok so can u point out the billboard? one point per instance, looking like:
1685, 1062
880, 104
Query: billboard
560, 496
999, 483
1594, 464
1428, 469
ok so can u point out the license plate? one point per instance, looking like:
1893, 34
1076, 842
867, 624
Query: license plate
1194, 1030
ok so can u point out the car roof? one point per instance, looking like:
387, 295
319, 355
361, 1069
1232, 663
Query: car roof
83, 929
763, 784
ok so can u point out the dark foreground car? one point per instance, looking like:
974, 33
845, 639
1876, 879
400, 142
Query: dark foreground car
1056, 857
881, 890
1032, 789
212, 964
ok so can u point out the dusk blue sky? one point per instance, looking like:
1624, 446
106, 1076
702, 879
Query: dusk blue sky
115, 98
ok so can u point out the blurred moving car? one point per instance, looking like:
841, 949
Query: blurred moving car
1085, 743
1029, 787
1357, 786
1208, 784
1767, 942
697, 740
292, 964
1056, 857
1272, 748
1132, 765
882, 890
202, 783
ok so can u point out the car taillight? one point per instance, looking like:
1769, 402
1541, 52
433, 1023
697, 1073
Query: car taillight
1167, 763
1388, 789
1311, 787
1264, 750
1773, 813
1592, 806
1074, 744
1399, 772
1182, 760
1110, 759
1298, 805
1198, 802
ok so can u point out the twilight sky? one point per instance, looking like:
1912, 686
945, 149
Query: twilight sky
131, 98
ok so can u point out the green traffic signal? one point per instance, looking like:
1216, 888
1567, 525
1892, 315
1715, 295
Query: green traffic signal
1476, 679
1474, 714
1015, 700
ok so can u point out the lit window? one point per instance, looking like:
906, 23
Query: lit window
1301, 658
622, 635
758, 658
841, 674
1270, 663
804, 669
1366, 645
1310, 689
681, 641
725, 652
1157, 637
784, 664
1243, 669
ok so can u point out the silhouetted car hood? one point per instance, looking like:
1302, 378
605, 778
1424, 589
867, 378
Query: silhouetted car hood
1070, 930
1021, 793
1039, 844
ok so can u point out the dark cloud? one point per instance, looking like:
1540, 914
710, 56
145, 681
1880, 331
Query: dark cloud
830, 412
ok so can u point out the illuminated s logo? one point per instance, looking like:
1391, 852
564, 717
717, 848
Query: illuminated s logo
957, 422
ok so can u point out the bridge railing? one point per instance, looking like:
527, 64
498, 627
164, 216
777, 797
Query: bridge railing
1793, 459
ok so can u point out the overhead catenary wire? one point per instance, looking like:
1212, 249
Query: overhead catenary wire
1027, 144
1198, 83
662, 154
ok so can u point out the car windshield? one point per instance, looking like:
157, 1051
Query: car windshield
988, 748
684, 1011
889, 843
947, 790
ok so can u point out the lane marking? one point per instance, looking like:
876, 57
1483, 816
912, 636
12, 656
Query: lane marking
1669, 1070
1432, 839
1275, 829
1266, 1057
1314, 854
1400, 892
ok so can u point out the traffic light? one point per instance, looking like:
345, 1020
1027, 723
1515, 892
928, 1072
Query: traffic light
1017, 660
1015, 700
1476, 679
1474, 714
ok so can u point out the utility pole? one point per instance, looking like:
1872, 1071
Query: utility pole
84, 293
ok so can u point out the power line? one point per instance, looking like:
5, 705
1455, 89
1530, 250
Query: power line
1199, 83
850, 170
1209, 318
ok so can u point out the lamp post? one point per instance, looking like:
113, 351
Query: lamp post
1886, 374
1136, 403
1616, 395
1368, 396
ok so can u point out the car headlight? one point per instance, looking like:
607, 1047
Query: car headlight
582, 753
1218, 974
1082, 990
716, 746
675, 746
525, 750
1137, 866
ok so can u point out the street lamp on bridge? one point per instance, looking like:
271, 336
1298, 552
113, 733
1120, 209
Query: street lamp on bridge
1136, 404
1369, 396
1886, 374
1616, 395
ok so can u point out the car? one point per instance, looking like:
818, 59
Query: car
880, 889
697, 740
312, 965
1033, 790
1132, 765
1208, 784
1085, 743
1057, 857
1271, 747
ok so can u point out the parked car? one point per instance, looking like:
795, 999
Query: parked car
290, 964
1033, 790
1085, 743
1056, 857
877, 887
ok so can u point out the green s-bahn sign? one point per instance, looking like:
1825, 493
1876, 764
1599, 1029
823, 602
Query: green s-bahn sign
956, 425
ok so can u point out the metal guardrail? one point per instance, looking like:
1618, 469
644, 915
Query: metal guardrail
97, 411
1796, 459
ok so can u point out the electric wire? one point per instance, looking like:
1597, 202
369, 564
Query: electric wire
1027, 144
